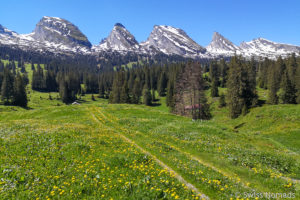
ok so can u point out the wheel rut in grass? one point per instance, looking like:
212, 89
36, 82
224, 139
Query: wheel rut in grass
237, 179
189, 155
162, 164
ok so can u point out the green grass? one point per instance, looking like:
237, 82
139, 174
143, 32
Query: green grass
57, 151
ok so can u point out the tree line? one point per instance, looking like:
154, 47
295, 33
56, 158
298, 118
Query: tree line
183, 84
242, 77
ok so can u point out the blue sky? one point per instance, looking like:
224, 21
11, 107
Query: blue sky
237, 20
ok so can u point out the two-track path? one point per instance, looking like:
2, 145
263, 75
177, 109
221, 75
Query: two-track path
96, 111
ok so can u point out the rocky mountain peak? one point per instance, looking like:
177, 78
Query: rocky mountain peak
221, 45
59, 36
171, 40
217, 36
59, 31
4, 30
119, 25
266, 48
119, 39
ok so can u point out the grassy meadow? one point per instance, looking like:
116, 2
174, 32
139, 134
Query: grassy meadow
97, 150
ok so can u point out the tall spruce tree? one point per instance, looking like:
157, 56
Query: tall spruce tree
214, 91
214, 78
116, 87
136, 91
272, 94
297, 82
241, 86
147, 98
20, 96
7, 89
263, 73
235, 102
64, 92
124, 96
101, 88
162, 84
222, 101
287, 90
170, 95
223, 73
249, 83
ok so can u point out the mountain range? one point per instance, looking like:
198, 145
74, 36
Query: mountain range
57, 35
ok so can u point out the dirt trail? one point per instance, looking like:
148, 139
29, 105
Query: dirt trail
162, 164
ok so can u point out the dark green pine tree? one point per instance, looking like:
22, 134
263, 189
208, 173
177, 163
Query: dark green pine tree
20, 96
249, 93
213, 72
114, 96
292, 68
214, 91
287, 90
38, 82
297, 83
153, 94
124, 96
170, 95
131, 82
162, 84
272, 96
222, 101
263, 73
278, 68
50, 82
64, 92
101, 89
136, 91
1, 78
7, 89
234, 101
147, 95
223, 73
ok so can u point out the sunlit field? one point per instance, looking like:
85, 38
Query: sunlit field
97, 150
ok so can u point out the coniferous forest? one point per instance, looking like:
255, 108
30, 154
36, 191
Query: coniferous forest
186, 85
188, 114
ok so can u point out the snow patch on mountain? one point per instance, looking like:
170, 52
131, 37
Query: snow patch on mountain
57, 35
222, 46
261, 47
119, 39
170, 41
60, 31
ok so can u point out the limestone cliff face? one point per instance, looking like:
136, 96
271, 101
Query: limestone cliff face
60, 31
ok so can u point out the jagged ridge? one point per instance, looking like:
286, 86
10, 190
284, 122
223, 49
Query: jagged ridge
58, 35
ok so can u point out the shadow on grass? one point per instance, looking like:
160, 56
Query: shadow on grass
155, 104
13, 107
261, 102
81, 101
